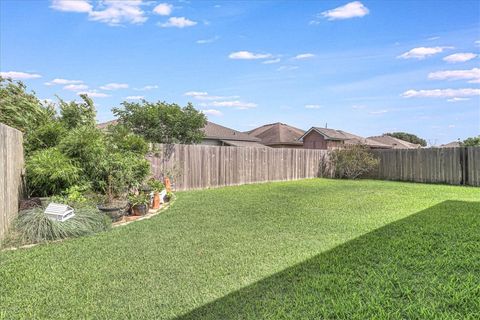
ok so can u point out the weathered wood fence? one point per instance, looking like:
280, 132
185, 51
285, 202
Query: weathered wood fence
458, 166
199, 166
11, 169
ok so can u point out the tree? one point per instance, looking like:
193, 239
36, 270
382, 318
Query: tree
409, 137
75, 114
163, 122
21, 109
471, 142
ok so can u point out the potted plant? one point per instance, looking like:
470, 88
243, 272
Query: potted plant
158, 188
169, 196
139, 204
111, 204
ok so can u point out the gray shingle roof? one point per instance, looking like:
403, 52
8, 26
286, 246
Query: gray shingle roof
395, 142
216, 131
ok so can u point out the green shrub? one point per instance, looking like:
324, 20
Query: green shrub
73, 196
33, 226
121, 138
47, 135
353, 162
49, 172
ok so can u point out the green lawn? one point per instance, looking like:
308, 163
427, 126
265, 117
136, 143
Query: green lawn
311, 249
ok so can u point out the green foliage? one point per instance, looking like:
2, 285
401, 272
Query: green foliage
138, 199
409, 137
49, 172
156, 185
471, 142
352, 162
308, 249
163, 122
73, 196
122, 138
20, 109
44, 136
33, 226
76, 114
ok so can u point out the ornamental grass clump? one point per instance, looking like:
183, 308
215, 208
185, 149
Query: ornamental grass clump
33, 226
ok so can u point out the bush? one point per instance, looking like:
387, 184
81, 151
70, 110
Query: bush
44, 136
353, 162
49, 172
33, 226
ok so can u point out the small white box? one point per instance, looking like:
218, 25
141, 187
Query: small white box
59, 212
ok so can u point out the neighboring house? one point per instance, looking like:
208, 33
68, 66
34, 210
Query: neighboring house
104, 125
395, 143
278, 135
217, 135
453, 144
324, 138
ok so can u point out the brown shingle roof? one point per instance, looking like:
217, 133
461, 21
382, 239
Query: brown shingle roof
395, 143
248, 144
216, 131
278, 133
105, 125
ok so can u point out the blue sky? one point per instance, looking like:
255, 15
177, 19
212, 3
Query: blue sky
366, 67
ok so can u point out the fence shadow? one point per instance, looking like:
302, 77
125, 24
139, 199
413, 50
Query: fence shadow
424, 266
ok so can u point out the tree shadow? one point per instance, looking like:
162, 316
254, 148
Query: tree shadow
424, 266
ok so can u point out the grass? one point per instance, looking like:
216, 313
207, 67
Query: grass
308, 249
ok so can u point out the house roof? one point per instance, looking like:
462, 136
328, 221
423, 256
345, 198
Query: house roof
395, 143
348, 138
277, 133
105, 125
248, 144
218, 132
453, 144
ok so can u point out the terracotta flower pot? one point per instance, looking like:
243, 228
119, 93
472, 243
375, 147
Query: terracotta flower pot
156, 200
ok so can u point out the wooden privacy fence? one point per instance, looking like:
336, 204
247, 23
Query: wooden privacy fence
11, 169
199, 166
459, 166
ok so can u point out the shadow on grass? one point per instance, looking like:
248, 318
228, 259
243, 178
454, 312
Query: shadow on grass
424, 266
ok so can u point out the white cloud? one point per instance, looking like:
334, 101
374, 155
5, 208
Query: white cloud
17, 75
178, 22
460, 57
62, 82
271, 61
94, 94
72, 5
210, 40
231, 104
135, 98
313, 106
451, 126
477, 43
196, 94
111, 12
378, 111
247, 55
202, 95
442, 93
118, 12
163, 9
114, 86
473, 75
433, 38
76, 87
213, 112
304, 56
422, 52
146, 88
350, 10
287, 68
457, 99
